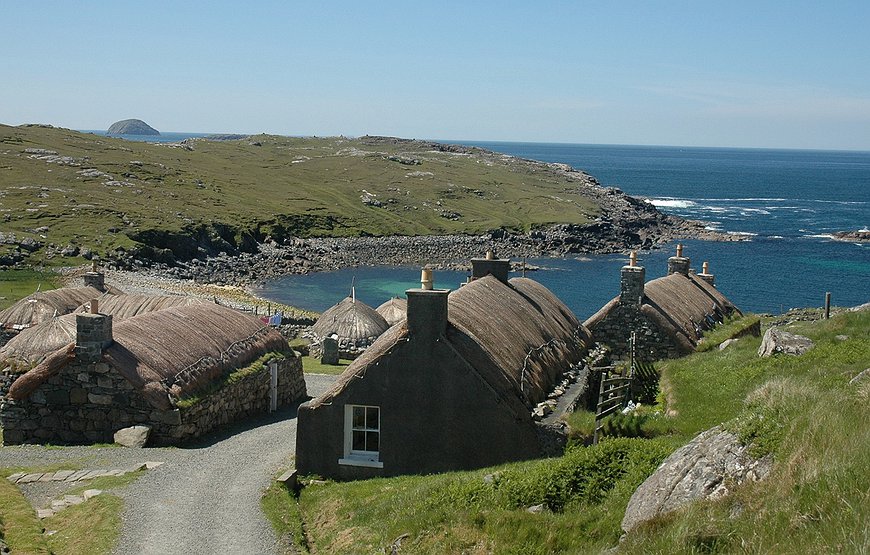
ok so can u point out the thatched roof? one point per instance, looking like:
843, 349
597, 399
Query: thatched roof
45, 305
122, 307
518, 337
393, 311
353, 321
683, 307
176, 351
32, 344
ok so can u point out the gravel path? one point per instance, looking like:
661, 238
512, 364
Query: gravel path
208, 500
205, 498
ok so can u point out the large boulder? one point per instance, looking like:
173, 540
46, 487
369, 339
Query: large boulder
134, 436
776, 340
705, 468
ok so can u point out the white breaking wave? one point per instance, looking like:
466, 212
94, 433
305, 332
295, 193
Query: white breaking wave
742, 233
820, 236
671, 203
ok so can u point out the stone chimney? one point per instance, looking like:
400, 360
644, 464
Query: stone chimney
678, 264
427, 310
498, 267
631, 280
706, 275
95, 278
93, 334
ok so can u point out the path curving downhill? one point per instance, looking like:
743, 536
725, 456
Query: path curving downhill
207, 499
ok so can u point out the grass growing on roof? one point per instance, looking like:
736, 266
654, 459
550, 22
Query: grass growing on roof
233, 377
801, 410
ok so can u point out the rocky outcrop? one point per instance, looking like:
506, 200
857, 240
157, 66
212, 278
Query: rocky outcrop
131, 127
778, 341
708, 467
860, 236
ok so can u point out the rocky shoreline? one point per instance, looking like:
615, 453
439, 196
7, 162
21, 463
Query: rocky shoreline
302, 256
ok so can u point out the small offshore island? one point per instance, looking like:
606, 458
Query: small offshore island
131, 127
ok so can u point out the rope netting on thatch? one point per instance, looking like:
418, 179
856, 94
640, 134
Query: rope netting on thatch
45, 305
529, 337
353, 321
393, 311
32, 344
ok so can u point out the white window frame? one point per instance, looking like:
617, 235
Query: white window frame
354, 457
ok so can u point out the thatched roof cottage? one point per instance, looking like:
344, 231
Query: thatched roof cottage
182, 371
354, 324
451, 387
668, 315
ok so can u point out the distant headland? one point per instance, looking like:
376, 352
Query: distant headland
131, 127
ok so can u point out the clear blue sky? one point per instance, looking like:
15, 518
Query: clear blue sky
788, 74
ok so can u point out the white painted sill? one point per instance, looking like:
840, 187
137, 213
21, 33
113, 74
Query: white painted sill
360, 462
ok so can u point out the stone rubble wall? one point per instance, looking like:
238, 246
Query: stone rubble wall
88, 403
615, 332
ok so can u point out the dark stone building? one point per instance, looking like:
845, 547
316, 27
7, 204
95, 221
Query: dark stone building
451, 387
183, 371
667, 315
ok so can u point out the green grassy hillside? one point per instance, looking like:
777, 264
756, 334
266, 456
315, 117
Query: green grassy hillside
103, 193
801, 409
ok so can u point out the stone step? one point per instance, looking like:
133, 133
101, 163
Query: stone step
77, 475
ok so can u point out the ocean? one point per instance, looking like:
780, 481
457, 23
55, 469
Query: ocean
786, 202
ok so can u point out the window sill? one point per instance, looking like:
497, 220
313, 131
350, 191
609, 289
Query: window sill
361, 462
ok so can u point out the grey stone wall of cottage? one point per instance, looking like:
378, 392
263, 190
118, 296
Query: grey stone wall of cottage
616, 328
87, 403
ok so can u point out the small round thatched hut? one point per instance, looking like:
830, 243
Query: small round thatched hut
356, 324
394, 310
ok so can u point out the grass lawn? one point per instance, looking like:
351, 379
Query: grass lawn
801, 410
312, 365
90, 528
17, 284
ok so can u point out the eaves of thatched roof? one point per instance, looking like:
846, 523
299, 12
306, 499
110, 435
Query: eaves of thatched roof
519, 338
176, 351
351, 319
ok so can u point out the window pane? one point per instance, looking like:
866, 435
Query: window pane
372, 418
359, 417
372, 441
359, 441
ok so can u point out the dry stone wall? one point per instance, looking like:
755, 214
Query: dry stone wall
88, 403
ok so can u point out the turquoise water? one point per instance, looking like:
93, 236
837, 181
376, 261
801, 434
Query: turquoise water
788, 202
